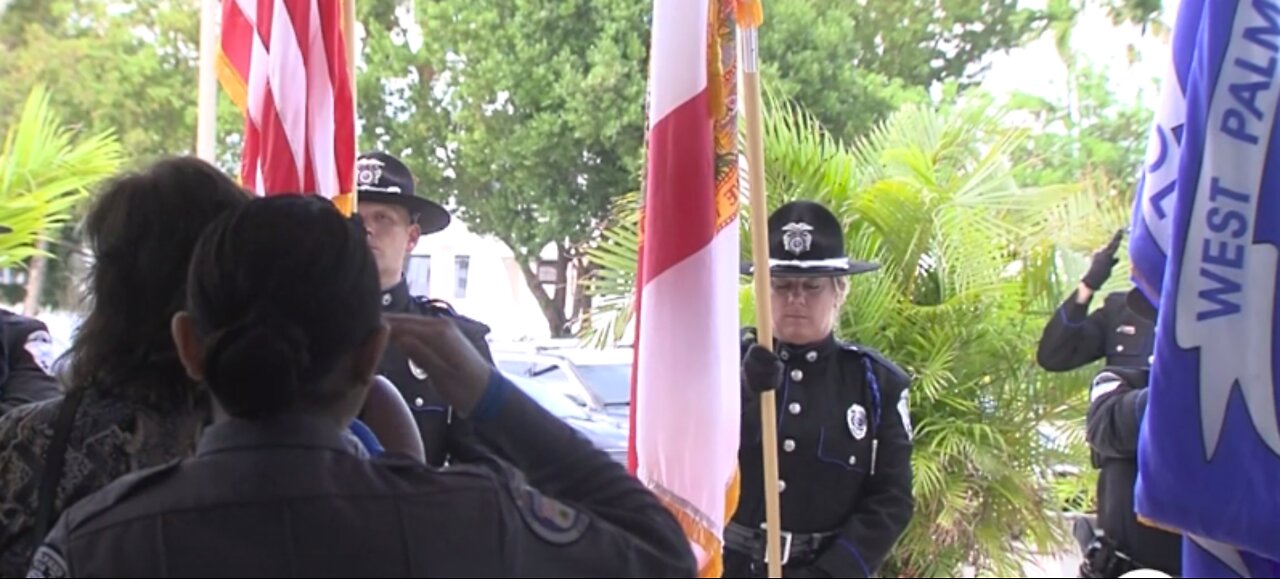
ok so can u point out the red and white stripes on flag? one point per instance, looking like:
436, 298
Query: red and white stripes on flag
284, 63
686, 403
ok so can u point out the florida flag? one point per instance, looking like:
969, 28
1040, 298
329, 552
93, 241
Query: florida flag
686, 400
284, 64
1207, 229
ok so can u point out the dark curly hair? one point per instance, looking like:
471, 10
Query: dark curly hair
142, 231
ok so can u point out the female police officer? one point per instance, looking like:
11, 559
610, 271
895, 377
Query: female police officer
844, 432
284, 326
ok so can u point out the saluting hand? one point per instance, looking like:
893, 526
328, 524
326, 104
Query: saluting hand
1103, 261
436, 345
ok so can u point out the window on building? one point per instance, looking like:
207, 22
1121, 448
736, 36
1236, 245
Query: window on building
461, 267
418, 275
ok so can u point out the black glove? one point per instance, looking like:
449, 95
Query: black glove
1103, 261
761, 369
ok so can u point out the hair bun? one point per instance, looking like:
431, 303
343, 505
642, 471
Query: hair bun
252, 367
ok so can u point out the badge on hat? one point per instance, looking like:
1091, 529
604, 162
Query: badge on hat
856, 416
368, 171
796, 238
382, 178
807, 240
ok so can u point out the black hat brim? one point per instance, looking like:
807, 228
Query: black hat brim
1138, 303
852, 268
431, 216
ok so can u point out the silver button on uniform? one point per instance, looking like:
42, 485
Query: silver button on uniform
418, 402
785, 355
797, 375
386, 299
812, 356
788, 445
782, 486
1120, 348
853, 460
794, 408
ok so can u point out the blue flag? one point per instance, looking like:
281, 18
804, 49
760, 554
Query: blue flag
1206, 251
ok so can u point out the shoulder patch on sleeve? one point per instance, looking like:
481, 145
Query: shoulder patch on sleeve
48, 562
1105, 383
40, 346
549, 519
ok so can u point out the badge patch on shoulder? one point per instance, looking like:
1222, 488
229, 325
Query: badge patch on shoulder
48, 563
904, 412
856, 416
549, 519
417, 371
40, 346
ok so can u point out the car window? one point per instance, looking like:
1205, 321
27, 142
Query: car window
610, 382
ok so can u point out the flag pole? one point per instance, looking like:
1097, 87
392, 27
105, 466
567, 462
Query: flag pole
207, 98
353, 53
750, 16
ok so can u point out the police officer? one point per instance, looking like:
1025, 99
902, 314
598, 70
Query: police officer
26, 362
283, 327
1074, 337
844, 428
395, 219
1118, 402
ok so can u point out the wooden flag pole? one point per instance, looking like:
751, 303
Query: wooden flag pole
207, 97
750, 16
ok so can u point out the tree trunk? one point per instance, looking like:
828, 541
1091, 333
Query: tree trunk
556, 321
561, 296
35, 282
582, 297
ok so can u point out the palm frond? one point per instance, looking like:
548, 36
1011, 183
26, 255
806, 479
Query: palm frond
45, 170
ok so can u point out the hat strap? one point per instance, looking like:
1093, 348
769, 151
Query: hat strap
832, 262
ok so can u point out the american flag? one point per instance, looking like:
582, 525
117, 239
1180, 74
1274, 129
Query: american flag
284, 64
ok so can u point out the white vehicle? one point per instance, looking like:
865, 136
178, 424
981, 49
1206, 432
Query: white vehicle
598, 379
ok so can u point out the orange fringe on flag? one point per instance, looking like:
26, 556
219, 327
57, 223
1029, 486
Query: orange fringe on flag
750, 13
715, 89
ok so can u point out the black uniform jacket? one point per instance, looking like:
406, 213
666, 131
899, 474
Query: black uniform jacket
1074, 337
445, 435
289, 498
25, 362
1118, 401
844, 456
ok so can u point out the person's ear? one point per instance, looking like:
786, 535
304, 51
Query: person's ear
189, 343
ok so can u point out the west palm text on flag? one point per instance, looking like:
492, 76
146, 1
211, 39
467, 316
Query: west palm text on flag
1205, 250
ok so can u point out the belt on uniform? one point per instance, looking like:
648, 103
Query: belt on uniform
796, 547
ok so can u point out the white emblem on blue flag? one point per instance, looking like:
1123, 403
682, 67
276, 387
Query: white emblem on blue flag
1227, 283
1214, 361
